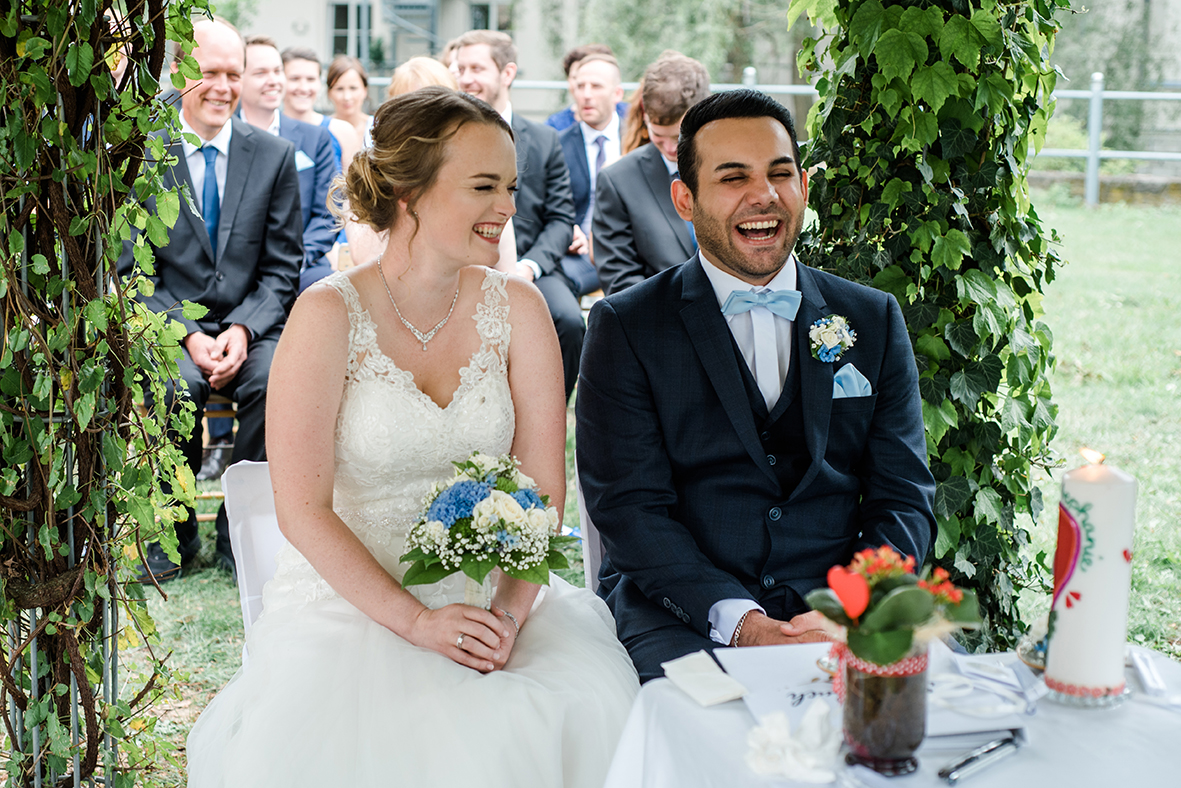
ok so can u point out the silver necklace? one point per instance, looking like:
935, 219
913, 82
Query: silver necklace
421, 337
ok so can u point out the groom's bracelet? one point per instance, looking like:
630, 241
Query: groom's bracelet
513, 619
738, 629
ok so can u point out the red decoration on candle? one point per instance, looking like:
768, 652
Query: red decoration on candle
1066, 556
1127, 555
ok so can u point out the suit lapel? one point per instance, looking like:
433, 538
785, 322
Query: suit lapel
815, 376
242, 146
657, 178
580, 160
181, 175
710, 336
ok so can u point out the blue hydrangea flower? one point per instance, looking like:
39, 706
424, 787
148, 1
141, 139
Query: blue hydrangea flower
457, 502
829, 354
507, 540
528, 499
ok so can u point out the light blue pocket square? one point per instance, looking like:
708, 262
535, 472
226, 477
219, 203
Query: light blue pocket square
303, 161
849, 382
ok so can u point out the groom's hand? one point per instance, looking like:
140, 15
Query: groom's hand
762, 630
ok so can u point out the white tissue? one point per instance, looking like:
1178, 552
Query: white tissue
809, 755
699, 677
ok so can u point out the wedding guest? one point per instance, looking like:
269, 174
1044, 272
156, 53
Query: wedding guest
565, 118
418, 72
263, 86
352, 679
545, 207
239, 258
589, 145
635, 131
302, 69
635, 228
348, 90
725, 461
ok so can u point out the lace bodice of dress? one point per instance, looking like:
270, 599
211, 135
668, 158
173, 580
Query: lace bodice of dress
393, 441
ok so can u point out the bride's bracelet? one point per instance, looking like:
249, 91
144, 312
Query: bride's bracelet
513, 619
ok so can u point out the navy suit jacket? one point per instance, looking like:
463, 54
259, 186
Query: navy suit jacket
635, 229
544, 220
316, 167
574, 149
255, 274
675, 475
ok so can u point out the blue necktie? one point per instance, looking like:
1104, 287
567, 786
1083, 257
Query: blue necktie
784, 303
210, 204
676, 176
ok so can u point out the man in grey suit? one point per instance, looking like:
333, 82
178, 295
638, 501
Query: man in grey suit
636, 231
240, 259
487, 63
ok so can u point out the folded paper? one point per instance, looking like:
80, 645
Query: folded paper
699, 677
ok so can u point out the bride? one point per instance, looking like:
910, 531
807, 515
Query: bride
384, 375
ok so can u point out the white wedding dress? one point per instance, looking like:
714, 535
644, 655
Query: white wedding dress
328, 697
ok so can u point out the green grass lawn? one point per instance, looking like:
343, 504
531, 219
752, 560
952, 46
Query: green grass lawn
1114, 310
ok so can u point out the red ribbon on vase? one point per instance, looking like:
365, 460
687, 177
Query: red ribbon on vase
907, 666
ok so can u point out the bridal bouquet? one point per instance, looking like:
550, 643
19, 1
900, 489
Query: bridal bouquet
489, 514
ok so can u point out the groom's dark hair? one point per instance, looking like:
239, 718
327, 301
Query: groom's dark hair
742, 103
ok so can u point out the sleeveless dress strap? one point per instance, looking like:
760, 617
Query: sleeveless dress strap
492, 322
362, 333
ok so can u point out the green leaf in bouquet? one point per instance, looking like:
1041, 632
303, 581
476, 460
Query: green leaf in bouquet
477, 567
538, 574
558, 542
420, 574
908, 606
417, 554
826, 602
966, 614
556, 559
888, 584
881, 648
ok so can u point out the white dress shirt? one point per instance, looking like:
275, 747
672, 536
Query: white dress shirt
195, 159
725, 614
611, 148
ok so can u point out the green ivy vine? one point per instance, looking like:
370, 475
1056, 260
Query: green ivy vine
87, 475
929, 115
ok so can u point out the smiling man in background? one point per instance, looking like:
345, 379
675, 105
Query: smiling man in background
240, 258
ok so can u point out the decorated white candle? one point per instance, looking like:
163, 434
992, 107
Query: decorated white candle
1092, 578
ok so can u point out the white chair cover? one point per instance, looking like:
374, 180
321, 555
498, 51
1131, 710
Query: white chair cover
254, 531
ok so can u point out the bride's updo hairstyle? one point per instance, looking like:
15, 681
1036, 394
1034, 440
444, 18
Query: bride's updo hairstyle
410, 136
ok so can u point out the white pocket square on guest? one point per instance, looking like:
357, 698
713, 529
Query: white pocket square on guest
303, 161
849, 382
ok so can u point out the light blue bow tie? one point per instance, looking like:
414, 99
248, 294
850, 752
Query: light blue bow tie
784, 303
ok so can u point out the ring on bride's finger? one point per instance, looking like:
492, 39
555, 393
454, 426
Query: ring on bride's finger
459, 641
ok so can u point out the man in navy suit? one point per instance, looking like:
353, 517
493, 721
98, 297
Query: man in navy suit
263, 86
239, 258
589, 146
725, 465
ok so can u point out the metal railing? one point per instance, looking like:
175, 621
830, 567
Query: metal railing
1094, 153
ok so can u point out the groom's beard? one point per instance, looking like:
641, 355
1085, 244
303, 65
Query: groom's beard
717, 238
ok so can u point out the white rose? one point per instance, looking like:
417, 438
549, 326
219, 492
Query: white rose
552, 516
524, 482
506, 507
814, 333
830, 336
539, 521
484, 514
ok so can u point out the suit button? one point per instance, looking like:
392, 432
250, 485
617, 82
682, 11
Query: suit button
770, 459
220, 276
667, 603
768, 581
764, 436
775, 513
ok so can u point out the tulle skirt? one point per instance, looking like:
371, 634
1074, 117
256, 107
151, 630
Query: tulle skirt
328, 697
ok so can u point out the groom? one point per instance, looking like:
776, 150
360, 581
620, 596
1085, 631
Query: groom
727, 467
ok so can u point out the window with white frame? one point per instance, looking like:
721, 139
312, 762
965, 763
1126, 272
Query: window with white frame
350, 26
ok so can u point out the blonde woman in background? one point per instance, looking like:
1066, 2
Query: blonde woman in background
415, 73
348, 88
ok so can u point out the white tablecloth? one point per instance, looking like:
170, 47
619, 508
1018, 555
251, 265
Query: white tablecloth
671, 742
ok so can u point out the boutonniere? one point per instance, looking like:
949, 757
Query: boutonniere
831, 336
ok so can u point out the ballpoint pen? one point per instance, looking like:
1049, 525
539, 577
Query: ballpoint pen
978, 759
